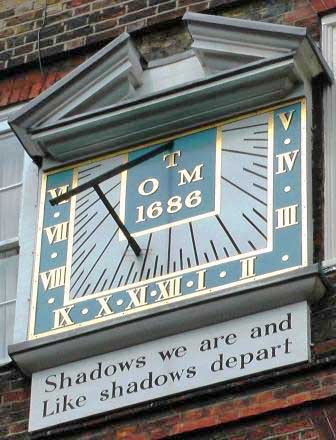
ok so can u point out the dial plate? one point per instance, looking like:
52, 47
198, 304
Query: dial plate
225, 205
101, 258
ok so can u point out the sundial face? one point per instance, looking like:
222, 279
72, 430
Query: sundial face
225, 205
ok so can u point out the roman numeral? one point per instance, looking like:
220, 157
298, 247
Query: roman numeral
170, 288
104, 307
201, 279
138, 297
57, 233
56, 192
286, 119
287, 216
53, 278
248, 267
286, 161
62, 318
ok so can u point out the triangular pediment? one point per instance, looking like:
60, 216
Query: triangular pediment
223, 43
111, 99
108, 77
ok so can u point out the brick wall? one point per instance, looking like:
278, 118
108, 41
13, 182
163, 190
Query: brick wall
75, 29
65, 25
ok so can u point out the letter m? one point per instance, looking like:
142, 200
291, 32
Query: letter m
186, 177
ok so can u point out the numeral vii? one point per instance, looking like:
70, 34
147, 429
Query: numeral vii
57, 233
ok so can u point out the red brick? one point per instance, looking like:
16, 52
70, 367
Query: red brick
330, 4
311, 435
324, 347
18, 395
171, 15
192, 425
15, 428
291, 427
318, 5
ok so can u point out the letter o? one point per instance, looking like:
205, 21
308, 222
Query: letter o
107, 372
153, 182
157, 380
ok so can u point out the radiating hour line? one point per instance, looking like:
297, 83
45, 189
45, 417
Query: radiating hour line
84, 224
80, 221
255, 139
193, 242
76, 241
255, 226
155, 265
189, 263
244, 191
228, 234
120, 280
145, 257
256, 164
84, 196
83, 177
247, 170
245, 126
174, 266
181, 259
96, 201
148, 273
90, 168
103, 286
260, 187
78, 278
214, 249
259, 214
259, 148
80, 205
99, 257
118, 267
92, 232
79, 256
134, 277
261, 132
99, 280
244, 152
226, 252
161, 270
87, 288
129, 272
169, 244
84, 259
252, 245
206, 257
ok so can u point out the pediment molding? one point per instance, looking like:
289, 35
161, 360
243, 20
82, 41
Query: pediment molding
103, 104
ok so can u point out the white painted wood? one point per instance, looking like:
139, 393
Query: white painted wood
329, 52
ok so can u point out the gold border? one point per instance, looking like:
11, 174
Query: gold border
36, 271
123, 151
304, 167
